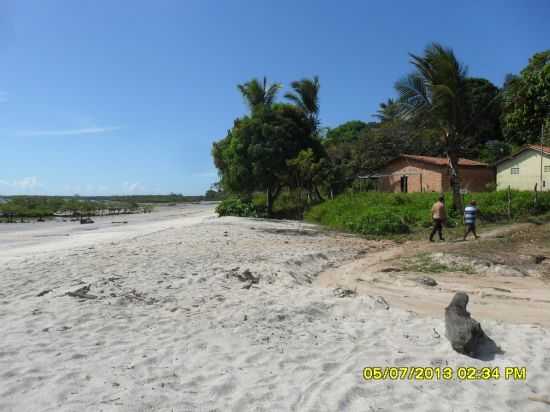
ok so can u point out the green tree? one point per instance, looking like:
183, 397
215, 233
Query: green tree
388, 111
308, 171
346, 132
254, 154
526, 101
437, 91
306, 98
484, 111
259, 95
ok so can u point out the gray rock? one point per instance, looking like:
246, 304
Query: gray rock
539, 259
380, 301
343, 293
503, 270
426, 281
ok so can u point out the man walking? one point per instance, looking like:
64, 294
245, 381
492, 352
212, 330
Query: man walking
470, 214
439, 216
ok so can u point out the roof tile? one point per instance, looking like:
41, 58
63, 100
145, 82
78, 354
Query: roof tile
443, 161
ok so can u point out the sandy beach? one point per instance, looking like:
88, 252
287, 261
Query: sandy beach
183, 311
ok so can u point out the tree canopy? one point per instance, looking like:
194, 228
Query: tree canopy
526, 101
254, 154
438, 111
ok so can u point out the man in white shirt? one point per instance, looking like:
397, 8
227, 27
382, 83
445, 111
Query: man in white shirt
470, 215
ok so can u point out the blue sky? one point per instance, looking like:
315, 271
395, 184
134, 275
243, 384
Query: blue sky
109, 97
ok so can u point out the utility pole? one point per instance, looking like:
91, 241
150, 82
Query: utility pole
542, 151
541, 154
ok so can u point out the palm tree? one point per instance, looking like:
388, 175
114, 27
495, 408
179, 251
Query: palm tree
258, 95
387, 111
436, 91
306, 98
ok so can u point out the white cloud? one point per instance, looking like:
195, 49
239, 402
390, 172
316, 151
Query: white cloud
68, 132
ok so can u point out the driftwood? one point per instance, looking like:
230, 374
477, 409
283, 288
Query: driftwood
245, 276
343, 292
82, 293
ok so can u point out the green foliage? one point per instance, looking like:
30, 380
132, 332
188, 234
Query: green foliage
259, 95
22, 207
290, 204
526, 101
214, 195
253, 156
388, 111
306, 98
494, 150
437, 92
375, 213
483, 114
348, 132
233, 206
425, 263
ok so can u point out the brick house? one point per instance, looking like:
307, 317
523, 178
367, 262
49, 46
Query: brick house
409, 173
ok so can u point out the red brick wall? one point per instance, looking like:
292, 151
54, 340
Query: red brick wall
473, 179
431, 176
434, 178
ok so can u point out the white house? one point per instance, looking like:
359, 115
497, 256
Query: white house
524, 169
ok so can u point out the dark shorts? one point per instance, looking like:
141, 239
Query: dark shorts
471, 226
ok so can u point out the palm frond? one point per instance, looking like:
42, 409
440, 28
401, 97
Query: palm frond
306, 95
257, 94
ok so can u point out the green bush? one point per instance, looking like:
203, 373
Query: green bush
288, 205
233, 206
375, 213
378, 223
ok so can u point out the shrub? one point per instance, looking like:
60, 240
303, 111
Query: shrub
377, 213
233, 206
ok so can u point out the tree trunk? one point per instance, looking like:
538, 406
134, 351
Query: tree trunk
455, 182
319, 194
269, 202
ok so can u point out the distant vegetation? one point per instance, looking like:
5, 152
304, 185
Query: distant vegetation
374, 213
280, 150
24, 207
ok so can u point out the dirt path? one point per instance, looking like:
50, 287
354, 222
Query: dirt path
518, 293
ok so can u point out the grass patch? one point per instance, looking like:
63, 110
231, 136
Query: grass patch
425, 263
403, 214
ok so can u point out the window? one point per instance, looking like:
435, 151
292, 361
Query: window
514, 170
546, 169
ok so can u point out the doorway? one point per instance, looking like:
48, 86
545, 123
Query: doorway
404, 184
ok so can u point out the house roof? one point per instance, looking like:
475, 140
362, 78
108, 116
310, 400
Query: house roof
545, 149
442, 161
535, 147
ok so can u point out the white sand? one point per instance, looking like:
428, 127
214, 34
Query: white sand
172, 329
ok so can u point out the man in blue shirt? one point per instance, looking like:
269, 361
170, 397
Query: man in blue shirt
470, 214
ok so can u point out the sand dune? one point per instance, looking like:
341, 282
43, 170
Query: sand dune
214, 314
